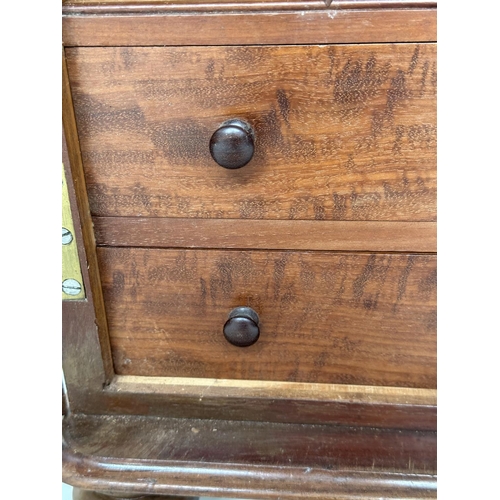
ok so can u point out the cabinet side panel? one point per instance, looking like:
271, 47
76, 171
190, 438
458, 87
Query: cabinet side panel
87, 363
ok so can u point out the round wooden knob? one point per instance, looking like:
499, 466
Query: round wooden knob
232, 144
242, 327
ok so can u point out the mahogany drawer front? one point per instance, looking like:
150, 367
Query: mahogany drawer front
324, 317
343, 132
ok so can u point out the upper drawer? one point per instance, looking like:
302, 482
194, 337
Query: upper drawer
342, 132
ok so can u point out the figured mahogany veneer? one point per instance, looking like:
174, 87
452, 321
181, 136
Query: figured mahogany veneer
341, 132
332, 318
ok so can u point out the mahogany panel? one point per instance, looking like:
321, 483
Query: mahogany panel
366, 319
268, 27
341, 132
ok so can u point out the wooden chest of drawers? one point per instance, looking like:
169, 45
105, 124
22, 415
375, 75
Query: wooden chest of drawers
267, 331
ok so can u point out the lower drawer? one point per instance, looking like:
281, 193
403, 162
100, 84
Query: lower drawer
325, 317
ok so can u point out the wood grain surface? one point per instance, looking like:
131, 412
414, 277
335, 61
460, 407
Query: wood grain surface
270, 26
266, 234
247, 459
365, 319
342, 133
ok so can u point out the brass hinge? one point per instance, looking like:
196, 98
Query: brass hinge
72, 281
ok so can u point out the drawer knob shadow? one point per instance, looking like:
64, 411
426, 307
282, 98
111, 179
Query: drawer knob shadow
242, 327
232, 144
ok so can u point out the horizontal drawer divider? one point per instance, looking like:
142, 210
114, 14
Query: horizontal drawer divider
266, 27
266, 234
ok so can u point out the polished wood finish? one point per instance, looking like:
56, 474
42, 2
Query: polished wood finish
147, 6
357, 236
248, 459
330, 318
342, 133
261, 28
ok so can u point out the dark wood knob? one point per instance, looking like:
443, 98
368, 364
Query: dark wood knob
232, 144
242, 327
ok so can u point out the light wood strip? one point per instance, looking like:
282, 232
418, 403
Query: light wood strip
211, 388
300, 27
266, 234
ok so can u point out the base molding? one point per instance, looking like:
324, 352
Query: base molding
261, 460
